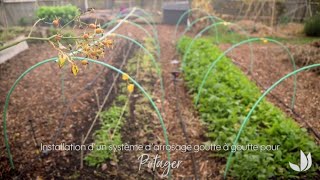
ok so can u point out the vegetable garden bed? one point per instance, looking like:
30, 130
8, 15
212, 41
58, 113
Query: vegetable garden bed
227, 97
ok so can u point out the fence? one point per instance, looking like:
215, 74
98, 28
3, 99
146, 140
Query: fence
22, 12
267, 10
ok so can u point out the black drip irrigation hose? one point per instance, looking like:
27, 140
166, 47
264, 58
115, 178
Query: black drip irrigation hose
182, 123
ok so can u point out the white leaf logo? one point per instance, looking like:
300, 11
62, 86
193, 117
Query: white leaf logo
305, 162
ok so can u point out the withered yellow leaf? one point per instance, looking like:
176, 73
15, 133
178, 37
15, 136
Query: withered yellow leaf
62, 58
125, 77
130, 88
74, 69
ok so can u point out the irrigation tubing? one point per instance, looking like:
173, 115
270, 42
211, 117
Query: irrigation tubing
183, 127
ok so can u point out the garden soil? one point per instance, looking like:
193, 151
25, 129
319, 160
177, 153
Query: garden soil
37, 108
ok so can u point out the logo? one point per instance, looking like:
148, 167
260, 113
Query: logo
305, 162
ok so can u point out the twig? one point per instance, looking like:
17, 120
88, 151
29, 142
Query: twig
34, 25
74, 98
105, 99
109, 32
81, 154
33, 134
119, 120
273, 14
97, 97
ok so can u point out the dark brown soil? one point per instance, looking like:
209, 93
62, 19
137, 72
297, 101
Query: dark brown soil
271, 63
40, 113
37, 108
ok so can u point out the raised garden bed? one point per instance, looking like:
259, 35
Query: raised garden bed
14, 50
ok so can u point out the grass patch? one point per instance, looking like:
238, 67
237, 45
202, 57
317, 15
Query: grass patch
11, 33
229, 36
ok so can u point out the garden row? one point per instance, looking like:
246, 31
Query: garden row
127, 106
226, 99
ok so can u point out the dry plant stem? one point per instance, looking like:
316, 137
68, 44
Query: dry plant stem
259, 11
34, 25
119, 120
69, 22
125, 106
273, 13
97, 97
248, 10
51, 37
104, 100
25, 39
74, 98
109, 32
33, 134
81, 154
35, 38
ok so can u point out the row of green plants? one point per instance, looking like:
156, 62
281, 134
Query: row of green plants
226, 99
140, 67
109, 133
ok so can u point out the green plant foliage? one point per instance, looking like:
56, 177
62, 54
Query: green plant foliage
226, 99
108, 135
226, 35
312, 26
12, 32
64, 13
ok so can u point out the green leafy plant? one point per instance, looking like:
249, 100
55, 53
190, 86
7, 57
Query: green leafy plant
64, 13
312, 26
108, 135
226, 99
113, 119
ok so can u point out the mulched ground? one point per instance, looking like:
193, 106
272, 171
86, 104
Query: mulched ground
38, 107
37, 103
271, 63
